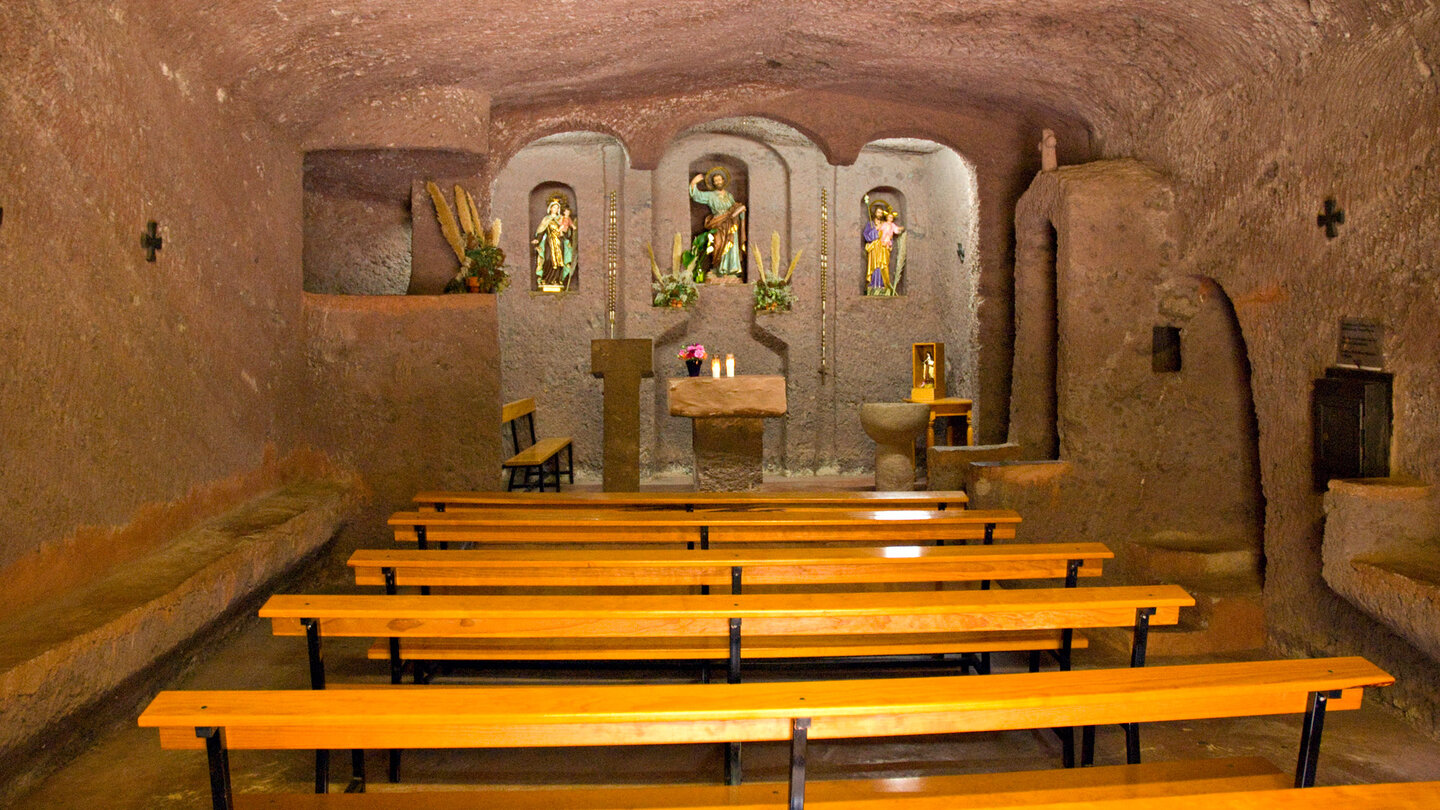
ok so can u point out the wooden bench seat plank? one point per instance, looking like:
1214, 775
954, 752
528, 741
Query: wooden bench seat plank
978, 791
1390, 796
571, 567
717, 649
919, 499
537, 453
807, 525
526, 716
686, 614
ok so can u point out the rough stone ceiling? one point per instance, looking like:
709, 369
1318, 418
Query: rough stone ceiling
298, 61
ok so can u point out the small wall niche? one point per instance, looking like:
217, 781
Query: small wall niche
1352, 421
554, 259
1165, 349
884, 273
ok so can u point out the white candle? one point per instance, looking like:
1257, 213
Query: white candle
729, 365
715, 367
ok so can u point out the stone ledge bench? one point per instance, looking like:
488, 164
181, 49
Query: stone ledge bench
63, 651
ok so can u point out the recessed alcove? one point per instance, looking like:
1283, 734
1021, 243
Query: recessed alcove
358, 222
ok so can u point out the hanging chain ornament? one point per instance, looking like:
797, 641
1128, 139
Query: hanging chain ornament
612, 262
824, 268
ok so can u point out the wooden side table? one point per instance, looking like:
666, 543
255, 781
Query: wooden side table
951, 408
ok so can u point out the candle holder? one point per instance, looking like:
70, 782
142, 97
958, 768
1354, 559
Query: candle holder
729, 365
715, 368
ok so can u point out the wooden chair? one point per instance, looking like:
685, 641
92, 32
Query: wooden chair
797, 712
533, 457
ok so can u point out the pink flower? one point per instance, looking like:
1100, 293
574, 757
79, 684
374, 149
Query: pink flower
694, 351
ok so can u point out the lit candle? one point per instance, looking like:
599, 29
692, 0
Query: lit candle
715, 367
729, 365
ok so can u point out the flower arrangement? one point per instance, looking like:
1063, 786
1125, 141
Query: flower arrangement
482, 262
677, 288
695, 351
773, 292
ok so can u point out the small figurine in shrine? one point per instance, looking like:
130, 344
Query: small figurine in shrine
723, 239
555, 246
879, 235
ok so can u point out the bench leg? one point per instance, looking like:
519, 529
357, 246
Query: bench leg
218, 756
357, 771
1310, 738
1132, 743
799, 742
322, 771
734, 773
570, 462
394, 774
1087, 746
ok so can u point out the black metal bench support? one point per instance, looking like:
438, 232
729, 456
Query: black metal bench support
1310, 732
218, 757
799, 742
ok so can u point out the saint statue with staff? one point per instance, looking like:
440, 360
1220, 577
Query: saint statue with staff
879, 237
723, 239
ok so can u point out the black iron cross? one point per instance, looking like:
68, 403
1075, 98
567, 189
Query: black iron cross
151, 240
1332, 218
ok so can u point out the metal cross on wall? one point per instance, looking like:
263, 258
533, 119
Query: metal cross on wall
1331, 219
151, 240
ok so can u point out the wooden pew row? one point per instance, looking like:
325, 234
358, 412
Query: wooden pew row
703, 529
726, 568
579, 715
443, 501
729, 569
726, 628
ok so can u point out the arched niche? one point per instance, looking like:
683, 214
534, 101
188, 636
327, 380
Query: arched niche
554, 265
707, 167
770, 153
879, 200
936, 192
585, 166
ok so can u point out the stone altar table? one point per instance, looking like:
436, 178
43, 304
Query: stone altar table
728, 434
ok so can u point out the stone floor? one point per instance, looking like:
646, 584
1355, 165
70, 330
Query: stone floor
117, 765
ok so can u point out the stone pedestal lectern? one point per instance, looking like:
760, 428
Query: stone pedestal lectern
621, 364
728, 434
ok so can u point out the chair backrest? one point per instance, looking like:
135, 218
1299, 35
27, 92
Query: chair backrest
512, 413
514, 410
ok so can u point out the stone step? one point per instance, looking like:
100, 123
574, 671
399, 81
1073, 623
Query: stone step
1204, 562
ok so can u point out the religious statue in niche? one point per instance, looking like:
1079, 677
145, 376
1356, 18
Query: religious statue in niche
720, 247
554, 245
883, 236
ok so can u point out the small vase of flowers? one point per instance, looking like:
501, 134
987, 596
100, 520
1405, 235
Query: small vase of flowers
693, 355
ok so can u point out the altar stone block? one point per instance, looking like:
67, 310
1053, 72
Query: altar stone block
621, 364
727, 432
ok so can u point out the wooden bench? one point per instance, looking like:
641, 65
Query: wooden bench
719, 627
726, 628
797, 712
532, 459
625, 570
728, 568
690, 501
702, 529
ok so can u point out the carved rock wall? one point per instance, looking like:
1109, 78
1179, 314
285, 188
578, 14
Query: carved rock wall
1353, 116
127, 382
